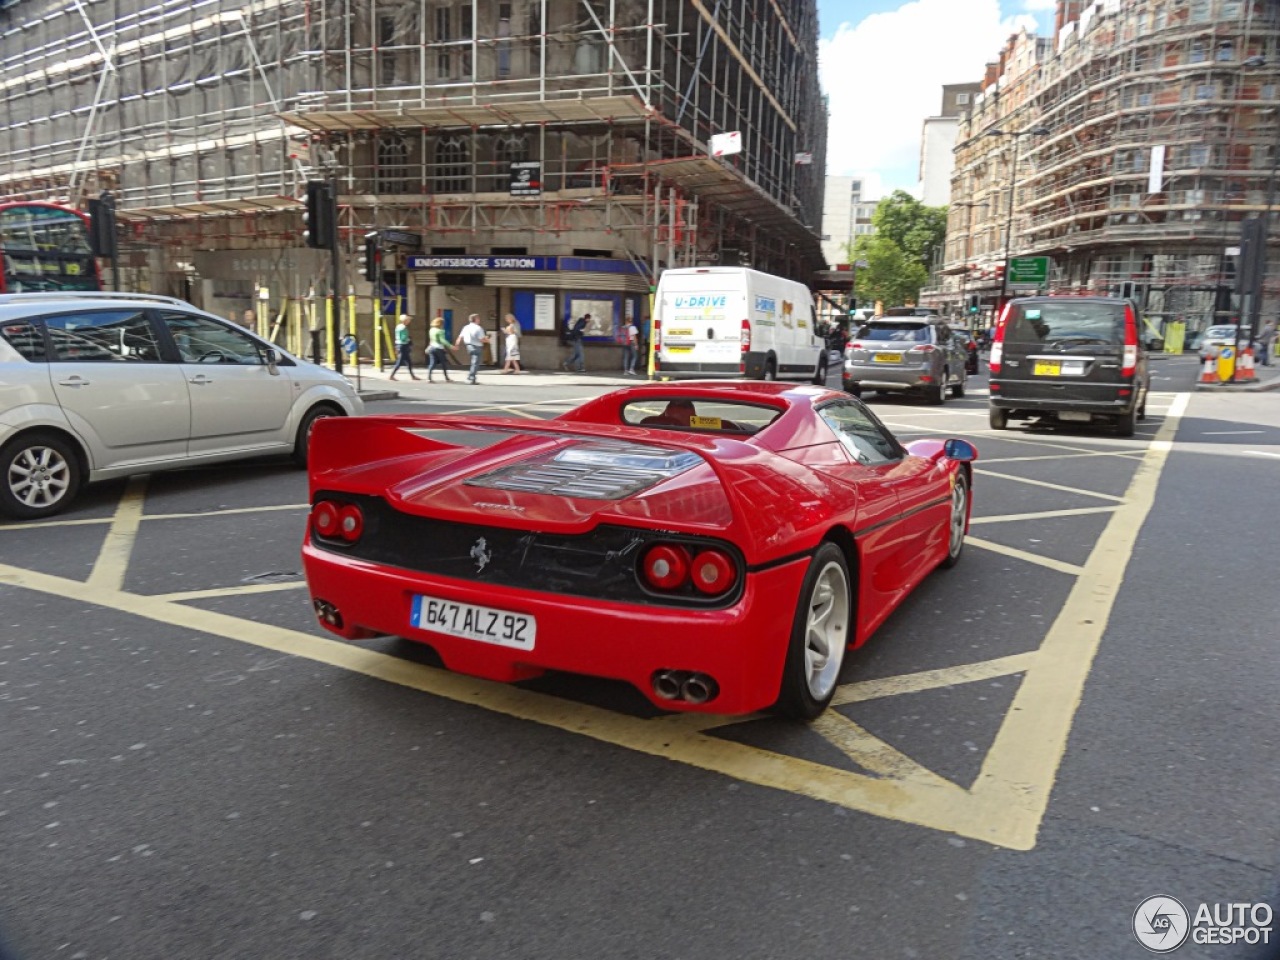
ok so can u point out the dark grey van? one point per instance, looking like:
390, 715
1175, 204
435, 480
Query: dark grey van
1070, 359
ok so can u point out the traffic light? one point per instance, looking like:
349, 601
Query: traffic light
321, 216
974, 303
102, 226
371, 258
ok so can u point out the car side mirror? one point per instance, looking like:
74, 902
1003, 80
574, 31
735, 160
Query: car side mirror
961, 450
273, 361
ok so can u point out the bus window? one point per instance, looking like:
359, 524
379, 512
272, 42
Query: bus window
45, 247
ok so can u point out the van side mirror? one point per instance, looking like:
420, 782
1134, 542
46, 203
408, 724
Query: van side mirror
273, 361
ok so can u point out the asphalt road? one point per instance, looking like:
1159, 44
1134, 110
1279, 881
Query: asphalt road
1081, 715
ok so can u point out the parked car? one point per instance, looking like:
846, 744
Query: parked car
1069, 360
98, 385
900, 354
1215, 338
638, 537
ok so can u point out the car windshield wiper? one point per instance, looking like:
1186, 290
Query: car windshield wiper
1074, 341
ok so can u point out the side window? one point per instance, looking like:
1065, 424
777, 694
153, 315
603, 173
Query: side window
202, 340
867, 441
103, 336
25, 337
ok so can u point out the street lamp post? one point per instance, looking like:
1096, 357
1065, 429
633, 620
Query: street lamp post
1017, 135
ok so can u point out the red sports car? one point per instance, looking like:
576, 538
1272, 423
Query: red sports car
718, 545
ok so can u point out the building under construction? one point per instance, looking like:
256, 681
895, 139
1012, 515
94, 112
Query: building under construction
540, 157
1143, 136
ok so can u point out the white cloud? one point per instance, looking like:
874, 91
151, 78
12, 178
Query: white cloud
885, 75
1039, 6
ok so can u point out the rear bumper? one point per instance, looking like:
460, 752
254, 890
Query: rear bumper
676, 370
1037, 405
743, 647
880, 379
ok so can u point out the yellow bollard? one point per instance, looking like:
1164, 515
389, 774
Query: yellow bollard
330, 344
377, 335
353, 328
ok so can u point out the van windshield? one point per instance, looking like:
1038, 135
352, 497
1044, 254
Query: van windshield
911, 332
1083, 322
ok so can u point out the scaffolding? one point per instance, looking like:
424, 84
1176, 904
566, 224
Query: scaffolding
1190, 85
206, 118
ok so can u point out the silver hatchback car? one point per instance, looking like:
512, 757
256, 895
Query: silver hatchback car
901, 354
99, 385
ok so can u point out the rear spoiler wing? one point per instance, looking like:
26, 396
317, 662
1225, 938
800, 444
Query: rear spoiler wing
341, 443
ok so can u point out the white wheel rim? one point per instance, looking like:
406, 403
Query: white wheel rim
826, 630
959, 509
39, 477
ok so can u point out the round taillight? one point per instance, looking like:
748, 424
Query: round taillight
324, 519
665, 567
713, 573
350, 523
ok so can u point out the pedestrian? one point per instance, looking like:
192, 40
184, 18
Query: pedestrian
1266, 341
404, 348
250, 322
512, 330
577, 360
438, 350
630, 348
473, 338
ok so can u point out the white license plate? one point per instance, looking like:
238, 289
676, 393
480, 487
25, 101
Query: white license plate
470, 622
1075, 415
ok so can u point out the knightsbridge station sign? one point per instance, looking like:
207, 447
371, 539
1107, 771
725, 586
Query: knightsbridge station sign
462, 262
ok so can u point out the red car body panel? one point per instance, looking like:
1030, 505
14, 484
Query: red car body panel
773, 497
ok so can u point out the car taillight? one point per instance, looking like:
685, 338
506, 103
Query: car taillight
337, 521
350, 523
713, 572
923, 348
997, 343
746, 336
324, 518
665, 567
1130, 362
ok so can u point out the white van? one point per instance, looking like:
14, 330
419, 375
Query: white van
735, 322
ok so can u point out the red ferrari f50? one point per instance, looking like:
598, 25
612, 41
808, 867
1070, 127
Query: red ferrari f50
717, 545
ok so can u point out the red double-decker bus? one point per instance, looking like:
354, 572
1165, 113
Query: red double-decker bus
44, 246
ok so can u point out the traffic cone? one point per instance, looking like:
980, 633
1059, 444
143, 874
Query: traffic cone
1210, 372
1246, 373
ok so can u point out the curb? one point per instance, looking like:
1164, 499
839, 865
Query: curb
368, 395
1264, 387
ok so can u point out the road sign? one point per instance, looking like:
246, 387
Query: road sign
1029, 270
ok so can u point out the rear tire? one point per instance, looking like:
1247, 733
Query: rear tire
853, 389
771, 369
936, 394
302, 442
1127, 423
819, 637
957, 521
820, 378
957, 390
39, 476
998, 418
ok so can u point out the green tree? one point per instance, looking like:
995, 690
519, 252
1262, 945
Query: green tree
890, 276
917, 230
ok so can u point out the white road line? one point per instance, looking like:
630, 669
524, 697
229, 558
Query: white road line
1016, 554
1050, 486
1262, 453
1042, 515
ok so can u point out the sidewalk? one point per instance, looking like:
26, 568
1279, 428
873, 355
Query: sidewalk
1266, 378
375, 385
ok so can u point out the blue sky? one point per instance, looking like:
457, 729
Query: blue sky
883, 66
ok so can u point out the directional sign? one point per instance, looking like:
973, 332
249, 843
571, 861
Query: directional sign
1029, 270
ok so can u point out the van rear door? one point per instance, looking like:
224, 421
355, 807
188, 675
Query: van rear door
1061, 348
702, 332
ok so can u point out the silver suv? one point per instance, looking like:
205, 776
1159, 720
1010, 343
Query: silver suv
899, 354
99, 385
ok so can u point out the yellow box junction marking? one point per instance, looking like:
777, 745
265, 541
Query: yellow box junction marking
1004, 807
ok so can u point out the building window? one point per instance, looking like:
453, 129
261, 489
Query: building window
453, 165
1199, 52
508, 149
504, 40
962, 99
453, 26
1226, 50
393, 164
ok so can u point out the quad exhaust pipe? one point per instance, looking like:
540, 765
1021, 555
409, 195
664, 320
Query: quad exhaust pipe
695, 688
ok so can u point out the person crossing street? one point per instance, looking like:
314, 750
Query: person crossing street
473, 337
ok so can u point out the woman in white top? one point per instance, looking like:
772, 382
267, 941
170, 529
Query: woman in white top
512, 329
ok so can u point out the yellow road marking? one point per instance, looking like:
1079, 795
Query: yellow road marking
1047, 485
113, 558
1041, 515
873, 753
934, 679
1037, 559
1019, 770
242, 590
54, 523
226, 513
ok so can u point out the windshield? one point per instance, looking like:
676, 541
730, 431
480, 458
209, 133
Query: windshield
900, 332
1047, 322
1220, 332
